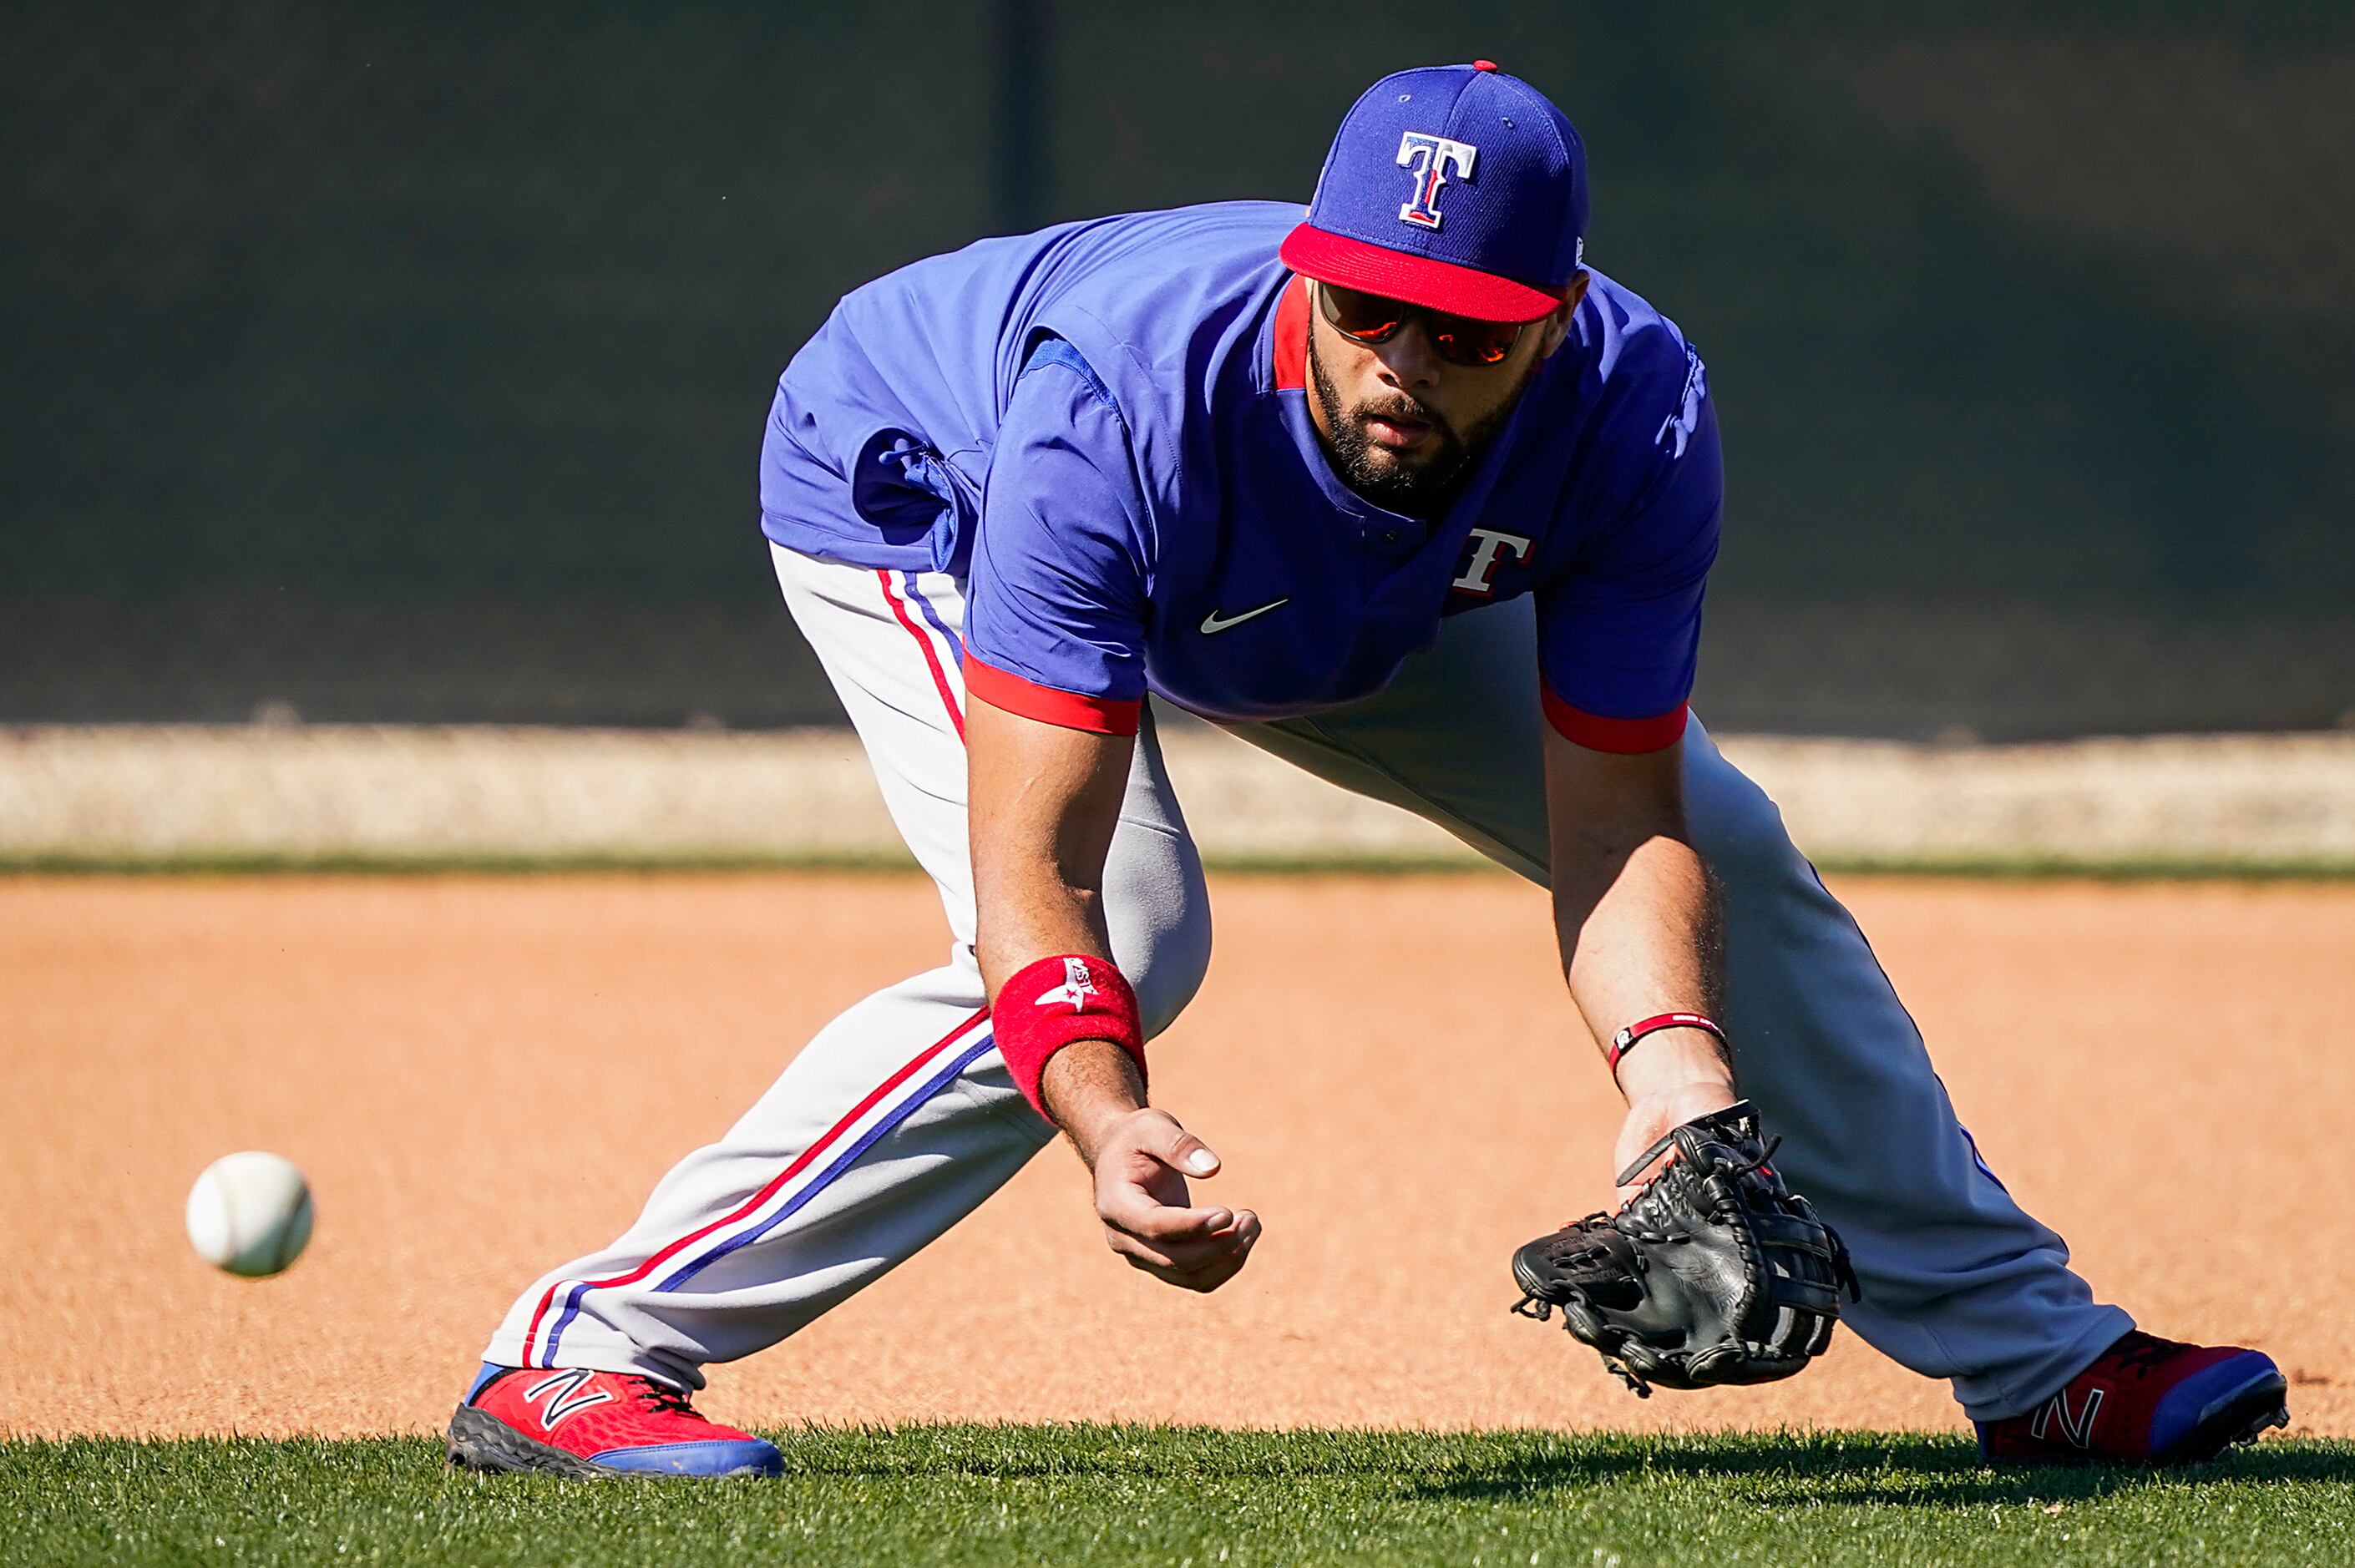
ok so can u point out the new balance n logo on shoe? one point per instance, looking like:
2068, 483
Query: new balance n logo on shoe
562, 1392
520, 1421
2077, 1428
2147, 1401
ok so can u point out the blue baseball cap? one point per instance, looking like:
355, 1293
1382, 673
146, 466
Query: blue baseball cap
1456, 188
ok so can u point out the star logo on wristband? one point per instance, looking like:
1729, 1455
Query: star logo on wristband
1077, 986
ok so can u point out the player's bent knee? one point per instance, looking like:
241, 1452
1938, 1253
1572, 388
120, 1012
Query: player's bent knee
1174, 975
1735, 824
1157, 912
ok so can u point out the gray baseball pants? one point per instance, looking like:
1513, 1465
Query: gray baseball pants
898, 1118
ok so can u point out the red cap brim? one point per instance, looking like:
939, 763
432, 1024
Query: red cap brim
1418, 279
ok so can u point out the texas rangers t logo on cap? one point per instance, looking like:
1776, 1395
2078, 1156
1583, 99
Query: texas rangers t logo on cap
1429, 157
1504, 247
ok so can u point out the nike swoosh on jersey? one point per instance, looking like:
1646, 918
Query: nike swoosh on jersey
1213, 622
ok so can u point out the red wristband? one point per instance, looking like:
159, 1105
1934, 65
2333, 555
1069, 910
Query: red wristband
1625, 1041
1054, 1001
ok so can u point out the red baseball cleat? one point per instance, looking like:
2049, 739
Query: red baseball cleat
576, 1422
2147, 1401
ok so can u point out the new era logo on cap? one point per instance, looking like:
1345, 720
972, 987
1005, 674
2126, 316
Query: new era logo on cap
1458, 187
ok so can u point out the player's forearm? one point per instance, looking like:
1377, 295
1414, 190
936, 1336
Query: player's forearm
1030, 912
1087, 1084
1042, 917
1640, 929
1044, 803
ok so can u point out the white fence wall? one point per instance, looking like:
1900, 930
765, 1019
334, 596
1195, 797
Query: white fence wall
140, 795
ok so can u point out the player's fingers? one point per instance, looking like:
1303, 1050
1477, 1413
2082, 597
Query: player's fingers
1217, 1271
1153, 1203
1188, 1255
1171, 1144
1171, 1258
1205, 1280
1139, 1254
1225, 1259
1165, 1252
1165, 1225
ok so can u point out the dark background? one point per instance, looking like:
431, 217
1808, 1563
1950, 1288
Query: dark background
408, 362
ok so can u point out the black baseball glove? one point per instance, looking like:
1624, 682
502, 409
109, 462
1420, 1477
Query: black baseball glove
1714, 1273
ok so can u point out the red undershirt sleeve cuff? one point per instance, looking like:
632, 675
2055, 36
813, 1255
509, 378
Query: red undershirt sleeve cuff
1625, 736
1066, 710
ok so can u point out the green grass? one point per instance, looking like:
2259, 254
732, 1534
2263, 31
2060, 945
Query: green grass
1099, 1494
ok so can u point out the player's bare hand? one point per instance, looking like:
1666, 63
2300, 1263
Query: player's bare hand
1142, 1162
1671, 1077
1650, 1117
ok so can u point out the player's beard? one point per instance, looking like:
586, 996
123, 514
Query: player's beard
1422, 487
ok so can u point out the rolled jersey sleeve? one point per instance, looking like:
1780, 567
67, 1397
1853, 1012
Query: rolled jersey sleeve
1619, 631
1056, 602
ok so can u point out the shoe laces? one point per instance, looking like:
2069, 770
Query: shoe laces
663, 1398
2144, 1353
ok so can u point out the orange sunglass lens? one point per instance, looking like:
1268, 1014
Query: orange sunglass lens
1474, 342
1368, 317
1372, 318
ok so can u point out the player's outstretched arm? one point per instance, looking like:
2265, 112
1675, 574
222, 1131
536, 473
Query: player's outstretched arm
1044, 801
1711, 1270
1638, 916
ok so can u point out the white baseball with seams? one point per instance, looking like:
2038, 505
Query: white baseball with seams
249, 1214
898, 1118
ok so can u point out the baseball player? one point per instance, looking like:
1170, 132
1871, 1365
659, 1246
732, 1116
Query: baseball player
1410, 497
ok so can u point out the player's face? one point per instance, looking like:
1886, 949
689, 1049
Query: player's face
1401, 421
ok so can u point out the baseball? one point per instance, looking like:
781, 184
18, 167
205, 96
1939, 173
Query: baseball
250, 1213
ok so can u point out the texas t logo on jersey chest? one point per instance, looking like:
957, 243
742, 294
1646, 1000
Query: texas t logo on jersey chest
1488, 546
1431, 157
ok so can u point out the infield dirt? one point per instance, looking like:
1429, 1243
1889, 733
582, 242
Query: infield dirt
484, 1076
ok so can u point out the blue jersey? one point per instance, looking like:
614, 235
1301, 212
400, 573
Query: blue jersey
1103, 426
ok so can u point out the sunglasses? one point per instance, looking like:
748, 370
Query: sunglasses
1369, 318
